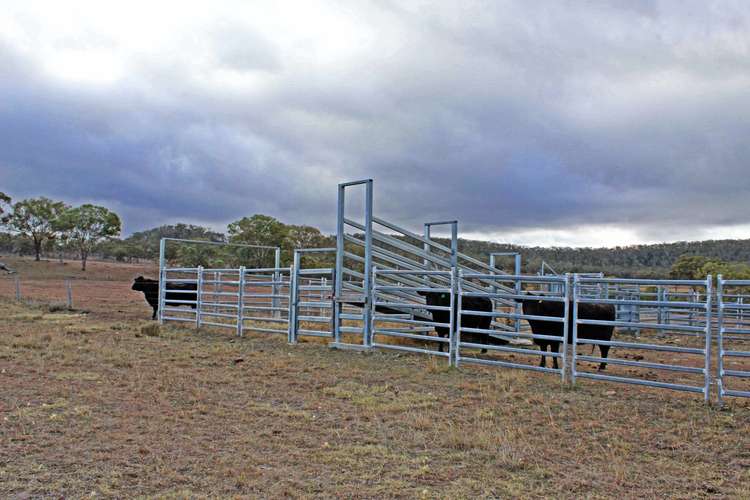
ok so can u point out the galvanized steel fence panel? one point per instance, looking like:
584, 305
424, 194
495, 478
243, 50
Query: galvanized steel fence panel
395, 315
664, 335
733, 359
540, 292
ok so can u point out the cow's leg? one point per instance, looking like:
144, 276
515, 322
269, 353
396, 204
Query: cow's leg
441, 345
555, 347
153, 316
604, 349
543, 348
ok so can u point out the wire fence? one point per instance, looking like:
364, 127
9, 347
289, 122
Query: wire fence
59, 291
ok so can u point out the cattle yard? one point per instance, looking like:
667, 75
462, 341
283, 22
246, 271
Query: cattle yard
255, 402
668, 334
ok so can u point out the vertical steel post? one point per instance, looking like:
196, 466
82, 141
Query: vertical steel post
459, 310
162, 278
574, 322
333, 323
566, 326
323, 285
720, 339
455, 300
426, 247
517, 271
338, 281
241, 301
368, 263
707, 367
18, 288
493, 288
199, 297
691, 313
293, 299
453, 316
454, 244
69, 293
276, 279
371, 306
740, 316
659, 308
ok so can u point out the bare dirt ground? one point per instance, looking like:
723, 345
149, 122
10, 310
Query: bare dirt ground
90, 405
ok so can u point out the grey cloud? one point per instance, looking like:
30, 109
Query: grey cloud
505, 115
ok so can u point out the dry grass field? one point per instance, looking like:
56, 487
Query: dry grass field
91, 406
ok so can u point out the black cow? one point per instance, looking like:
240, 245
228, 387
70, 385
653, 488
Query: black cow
481, 304
601, 312
150, 289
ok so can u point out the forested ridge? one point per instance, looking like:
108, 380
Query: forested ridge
52, 228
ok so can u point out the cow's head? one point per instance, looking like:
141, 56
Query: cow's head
532, 305
140, 283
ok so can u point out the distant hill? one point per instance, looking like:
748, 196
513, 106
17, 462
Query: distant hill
627, 261
636, 260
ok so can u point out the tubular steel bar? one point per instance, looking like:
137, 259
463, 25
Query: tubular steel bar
219, 243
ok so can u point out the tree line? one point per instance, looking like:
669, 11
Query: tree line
38, 225
42, 221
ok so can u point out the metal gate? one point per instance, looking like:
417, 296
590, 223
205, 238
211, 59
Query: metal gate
733, 360
548, 289
264, 301
687, 346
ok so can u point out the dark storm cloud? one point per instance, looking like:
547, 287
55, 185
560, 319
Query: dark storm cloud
506, 115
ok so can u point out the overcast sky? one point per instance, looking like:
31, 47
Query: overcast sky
570, 123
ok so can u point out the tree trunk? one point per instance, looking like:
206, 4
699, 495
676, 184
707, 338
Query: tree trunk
84, 257
37, 249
